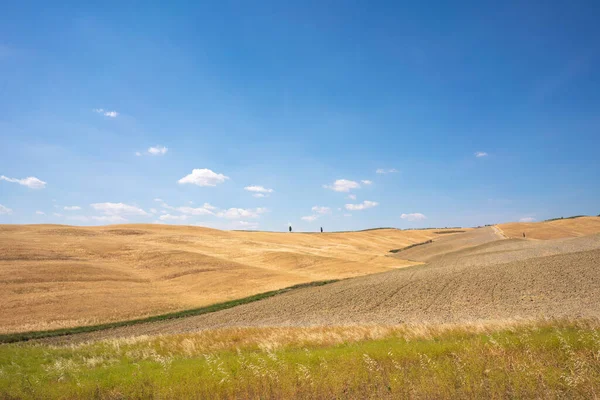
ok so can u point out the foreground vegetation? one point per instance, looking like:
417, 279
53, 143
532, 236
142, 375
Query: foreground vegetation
24, 336
545, 359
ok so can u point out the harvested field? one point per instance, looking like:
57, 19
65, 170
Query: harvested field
54, 276
560, 228
501, 280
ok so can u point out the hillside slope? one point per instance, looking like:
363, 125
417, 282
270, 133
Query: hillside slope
54, 276
560, 228
506, 279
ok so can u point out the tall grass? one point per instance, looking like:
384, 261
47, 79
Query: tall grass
538, 360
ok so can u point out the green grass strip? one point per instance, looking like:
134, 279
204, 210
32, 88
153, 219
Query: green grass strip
25, 336
411, 246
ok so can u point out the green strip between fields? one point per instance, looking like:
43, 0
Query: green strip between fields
25, 336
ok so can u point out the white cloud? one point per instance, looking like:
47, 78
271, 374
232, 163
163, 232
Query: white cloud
362, 206
169, 217
481, 154
158, 200
386, 171
113, 219
239, 213
259, 195
413, 217
258, 189
367, 182
137, 153
158, 150
310, 218
5, 210
342, 185
31, 182
248, 224
203, 177
118, 209
192, 210
40, 213
72, 208
352, 196
321, 210
106, 113
57, 215
527, 219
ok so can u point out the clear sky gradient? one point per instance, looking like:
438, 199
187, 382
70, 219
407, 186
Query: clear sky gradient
341, 114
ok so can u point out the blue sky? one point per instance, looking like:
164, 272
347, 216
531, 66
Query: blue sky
183, 113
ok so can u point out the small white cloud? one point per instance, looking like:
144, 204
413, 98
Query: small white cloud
158, 150
40, 213
203, 177
352, 196
248, 224
258, 189
72, 208
367, 182
57, 215
386, 171
31, 182
191, 210
527, 219
342, 185
158, 200
5, 210
111, 219
481, 154
169, 217
362, 206
137, 153
118, 209
111, 114
310, 218
321, 210
239, 213
413, 217
259, 195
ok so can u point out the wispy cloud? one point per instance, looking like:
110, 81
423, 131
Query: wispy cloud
527, 219
386, 171
203, 177
310, 218
241, 213
169, 217
413, 217
321, 210
157, 150
5, 210
106, 113
361, 206
343, 185
118, 209
258, 189
352, 196
480, 154
72, 208
31, 181
366, 182
40, 213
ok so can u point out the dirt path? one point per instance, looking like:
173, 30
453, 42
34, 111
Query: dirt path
504, 279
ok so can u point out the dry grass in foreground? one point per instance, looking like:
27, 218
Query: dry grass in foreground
546, 359
54, 276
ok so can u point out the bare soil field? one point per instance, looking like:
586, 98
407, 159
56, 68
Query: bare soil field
54, 276
496, 281
560, 228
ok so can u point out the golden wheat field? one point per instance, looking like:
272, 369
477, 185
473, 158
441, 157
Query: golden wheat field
56, 276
